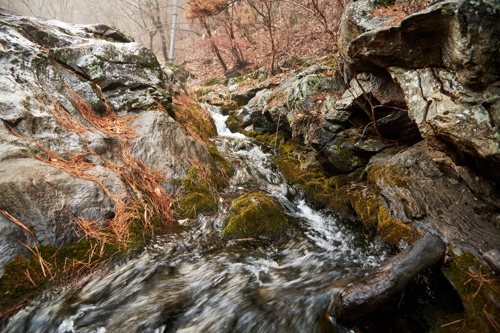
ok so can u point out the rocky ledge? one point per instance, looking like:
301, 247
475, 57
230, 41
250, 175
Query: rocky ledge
88, 130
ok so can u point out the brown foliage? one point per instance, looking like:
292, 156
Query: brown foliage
196, 9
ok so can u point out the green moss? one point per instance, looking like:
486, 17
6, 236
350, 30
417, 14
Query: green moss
389, 173
233, 106
392, 230
406, 207
197, 203
201, 185
479, 291
254, 215
324, 190
447, 11
211, 82
222, 166
375, 216
234, 122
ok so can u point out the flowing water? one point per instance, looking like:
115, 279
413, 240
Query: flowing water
190, 280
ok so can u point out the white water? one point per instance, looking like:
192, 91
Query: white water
220, 122
190, 280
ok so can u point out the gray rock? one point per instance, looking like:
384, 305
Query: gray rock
164, 145
492, 257
386, 281
460, 35
425, 187
43, 63
441, 106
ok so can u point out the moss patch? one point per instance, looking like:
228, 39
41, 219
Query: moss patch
234, 122
324, 190
479, 290
254, 215
375, 216
211, 82
389, 173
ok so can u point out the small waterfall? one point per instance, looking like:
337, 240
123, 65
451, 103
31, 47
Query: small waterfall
191, 280
220, 122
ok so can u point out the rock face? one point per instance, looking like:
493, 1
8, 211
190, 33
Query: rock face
459, 35
77, 102
446, 61
440, 69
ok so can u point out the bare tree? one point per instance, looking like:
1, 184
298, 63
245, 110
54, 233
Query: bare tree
266, 10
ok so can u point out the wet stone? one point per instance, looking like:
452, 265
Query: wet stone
493, 259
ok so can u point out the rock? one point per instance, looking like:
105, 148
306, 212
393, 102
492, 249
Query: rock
302, 93
47, 199
413, 188
492, 257
459, 35
340, 156
388, 280
441, 106
398, 126
164, 145
254, 215
63, 145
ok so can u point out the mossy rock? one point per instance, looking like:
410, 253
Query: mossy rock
391, 174
233, 123
324, 190
196, 203
254, 215
233, 106
479, 290
375, 216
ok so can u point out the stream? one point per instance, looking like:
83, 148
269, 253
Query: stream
188, 279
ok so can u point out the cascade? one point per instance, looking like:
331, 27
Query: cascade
191, 280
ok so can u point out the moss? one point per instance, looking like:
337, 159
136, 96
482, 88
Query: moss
324, 190
234, 122
233, 106
479, 291
389, 173
222, 166
197, 121
211, 82
447, 11
201, 185
375, 216
406, 207
197, 203
392, 230
254, 215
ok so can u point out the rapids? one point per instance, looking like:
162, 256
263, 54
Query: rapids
190, 280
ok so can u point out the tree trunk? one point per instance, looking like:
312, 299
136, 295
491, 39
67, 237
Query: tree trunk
214, 46
159, 28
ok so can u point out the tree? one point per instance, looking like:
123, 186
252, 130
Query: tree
266, 10
203, 10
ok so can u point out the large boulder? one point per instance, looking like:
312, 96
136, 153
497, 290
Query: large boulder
444, 60
460, 35
424, 188
78, 104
